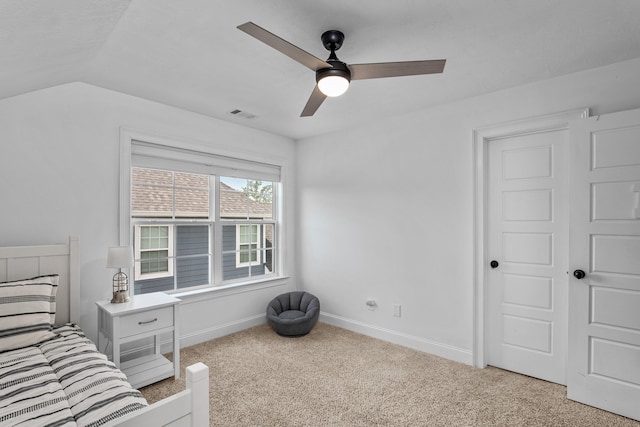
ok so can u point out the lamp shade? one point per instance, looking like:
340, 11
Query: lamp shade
333, 85
120, 257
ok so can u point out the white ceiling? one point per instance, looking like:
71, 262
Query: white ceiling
189, 53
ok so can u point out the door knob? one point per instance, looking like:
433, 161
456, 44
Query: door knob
579, 274
494, 264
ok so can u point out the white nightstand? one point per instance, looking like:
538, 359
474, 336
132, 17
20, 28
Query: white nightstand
147, 315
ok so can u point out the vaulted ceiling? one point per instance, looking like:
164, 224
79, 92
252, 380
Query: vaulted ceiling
189, 54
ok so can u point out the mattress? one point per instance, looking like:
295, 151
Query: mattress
63, 381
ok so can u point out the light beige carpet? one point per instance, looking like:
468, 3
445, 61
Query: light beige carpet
334, 377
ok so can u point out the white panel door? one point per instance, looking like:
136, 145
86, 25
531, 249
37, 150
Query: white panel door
604, 305
528, 237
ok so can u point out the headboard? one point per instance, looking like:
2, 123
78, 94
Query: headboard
23, 262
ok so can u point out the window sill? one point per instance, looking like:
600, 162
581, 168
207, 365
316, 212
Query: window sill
229, 289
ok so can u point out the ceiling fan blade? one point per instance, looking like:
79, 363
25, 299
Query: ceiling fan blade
396, 69
315, 100
283, 46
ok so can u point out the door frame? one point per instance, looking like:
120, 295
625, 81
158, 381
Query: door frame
481, 138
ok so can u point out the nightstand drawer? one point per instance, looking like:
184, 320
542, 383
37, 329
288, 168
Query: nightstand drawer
151, 320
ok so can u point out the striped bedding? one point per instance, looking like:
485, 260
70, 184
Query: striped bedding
64, 381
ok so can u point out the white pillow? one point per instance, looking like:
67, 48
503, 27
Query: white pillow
27, 311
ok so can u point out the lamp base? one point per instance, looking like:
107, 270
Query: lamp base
120, 297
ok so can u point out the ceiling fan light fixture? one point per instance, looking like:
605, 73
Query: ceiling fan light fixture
333, 85
334, 81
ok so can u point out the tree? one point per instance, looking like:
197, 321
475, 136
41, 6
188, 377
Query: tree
257, 191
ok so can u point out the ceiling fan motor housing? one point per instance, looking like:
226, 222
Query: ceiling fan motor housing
332, 41
338, 68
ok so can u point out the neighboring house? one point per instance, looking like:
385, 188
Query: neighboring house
173, 221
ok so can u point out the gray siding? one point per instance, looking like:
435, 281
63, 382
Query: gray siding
193, 240
153, 285
192, 271
229, 270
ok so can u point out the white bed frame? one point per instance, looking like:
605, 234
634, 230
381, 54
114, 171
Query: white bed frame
190, 407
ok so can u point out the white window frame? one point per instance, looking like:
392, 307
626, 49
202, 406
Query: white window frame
138, 253
258, 251
264, 248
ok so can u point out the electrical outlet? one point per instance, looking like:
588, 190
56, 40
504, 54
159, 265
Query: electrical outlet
396, 310
371, 303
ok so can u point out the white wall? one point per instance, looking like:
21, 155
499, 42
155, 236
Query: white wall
59, 176
386, 211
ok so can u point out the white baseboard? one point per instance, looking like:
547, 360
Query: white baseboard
432, 347
416, 343
166, 344
218, 331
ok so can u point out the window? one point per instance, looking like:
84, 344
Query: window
247, 238
154, 249
200, 220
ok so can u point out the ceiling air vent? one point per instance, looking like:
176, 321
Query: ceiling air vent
243, 114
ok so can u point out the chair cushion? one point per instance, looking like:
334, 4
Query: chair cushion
291, 314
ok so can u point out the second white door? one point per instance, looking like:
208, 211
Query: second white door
604, 308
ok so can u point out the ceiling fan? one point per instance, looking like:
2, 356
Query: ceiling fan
333, 76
